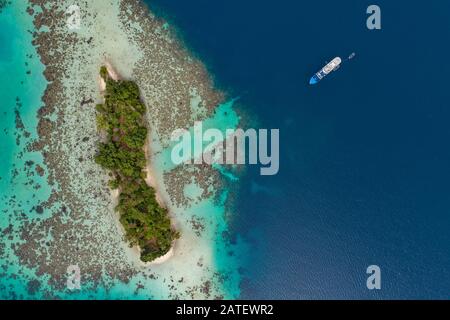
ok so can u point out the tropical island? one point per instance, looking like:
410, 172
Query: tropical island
122, 118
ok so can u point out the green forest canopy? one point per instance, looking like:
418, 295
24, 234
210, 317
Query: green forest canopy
122, 117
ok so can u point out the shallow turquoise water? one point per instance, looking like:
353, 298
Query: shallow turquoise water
224, 118
17, 57
23, 84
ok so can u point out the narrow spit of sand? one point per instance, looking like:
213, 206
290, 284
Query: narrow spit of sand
150, 180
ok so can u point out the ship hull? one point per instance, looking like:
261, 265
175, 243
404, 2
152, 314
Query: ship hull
331, 66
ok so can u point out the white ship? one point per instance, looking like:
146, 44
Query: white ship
331, 66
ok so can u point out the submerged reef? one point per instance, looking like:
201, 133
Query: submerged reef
145, 221
70, 220
3, 4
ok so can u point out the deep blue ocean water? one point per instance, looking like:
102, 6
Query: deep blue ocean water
365, 157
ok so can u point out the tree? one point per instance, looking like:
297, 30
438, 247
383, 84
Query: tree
146, 223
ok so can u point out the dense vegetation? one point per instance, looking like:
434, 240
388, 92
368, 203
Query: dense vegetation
146, 223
